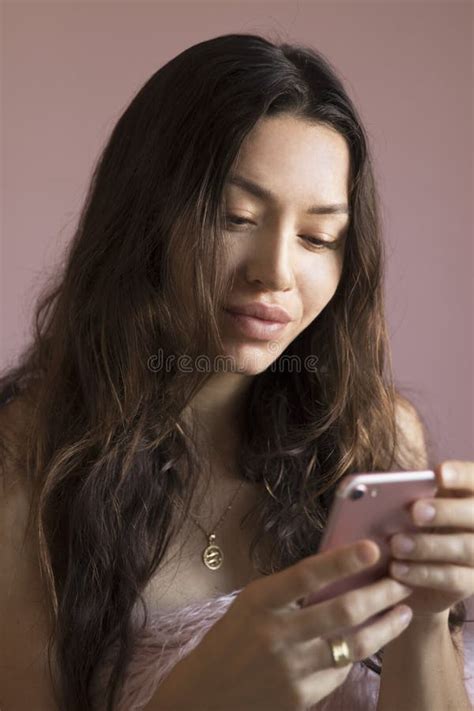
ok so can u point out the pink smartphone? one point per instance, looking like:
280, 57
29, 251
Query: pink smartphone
375, 506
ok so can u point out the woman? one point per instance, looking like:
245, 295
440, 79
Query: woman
180, 453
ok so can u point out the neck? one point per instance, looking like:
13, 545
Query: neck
217, 413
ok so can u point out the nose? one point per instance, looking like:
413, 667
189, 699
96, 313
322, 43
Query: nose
269, 261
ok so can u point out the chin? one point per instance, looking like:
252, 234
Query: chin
250, 360
251, 369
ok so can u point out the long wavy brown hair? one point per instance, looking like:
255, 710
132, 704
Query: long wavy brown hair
106, 427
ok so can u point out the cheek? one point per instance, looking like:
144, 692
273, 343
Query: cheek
233, 261
317, 284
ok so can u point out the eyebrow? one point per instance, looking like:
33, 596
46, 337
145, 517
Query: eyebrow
265, 194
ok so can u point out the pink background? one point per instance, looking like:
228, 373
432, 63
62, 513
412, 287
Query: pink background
69, 69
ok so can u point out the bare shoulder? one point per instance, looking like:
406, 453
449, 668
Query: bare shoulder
411, 432
24, 676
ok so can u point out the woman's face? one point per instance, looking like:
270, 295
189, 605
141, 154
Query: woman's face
271, 258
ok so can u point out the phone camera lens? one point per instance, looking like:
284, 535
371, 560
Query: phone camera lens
358, 492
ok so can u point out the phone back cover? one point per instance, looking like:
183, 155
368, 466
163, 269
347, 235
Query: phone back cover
374, 517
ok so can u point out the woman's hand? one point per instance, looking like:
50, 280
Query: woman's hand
441, 564
266, 652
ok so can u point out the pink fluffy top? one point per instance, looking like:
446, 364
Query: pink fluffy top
171, 635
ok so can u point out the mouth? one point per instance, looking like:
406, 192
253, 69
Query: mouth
254, 327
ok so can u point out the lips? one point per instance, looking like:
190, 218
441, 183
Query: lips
269, 313
256, 328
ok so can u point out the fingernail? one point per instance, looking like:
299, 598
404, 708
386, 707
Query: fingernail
424, 512
449, 474
402, 544
406, 614
399, 569
366, 554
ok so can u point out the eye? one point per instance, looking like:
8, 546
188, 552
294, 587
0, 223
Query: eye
234, 218
315, 242
318, 243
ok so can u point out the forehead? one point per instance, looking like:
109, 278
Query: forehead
293, 159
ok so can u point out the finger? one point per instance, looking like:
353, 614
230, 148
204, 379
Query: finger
343, 611
373, 637
361, 644
320, 684
448, 578
457, 474
456, 548
287, 587
458, 513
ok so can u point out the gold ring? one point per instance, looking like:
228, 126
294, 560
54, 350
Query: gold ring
339, 652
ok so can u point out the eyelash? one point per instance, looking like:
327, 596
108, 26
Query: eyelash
313, 241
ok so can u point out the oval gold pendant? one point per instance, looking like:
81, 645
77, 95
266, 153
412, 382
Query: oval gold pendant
212, 555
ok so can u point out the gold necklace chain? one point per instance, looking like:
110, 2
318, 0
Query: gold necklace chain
212, 555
